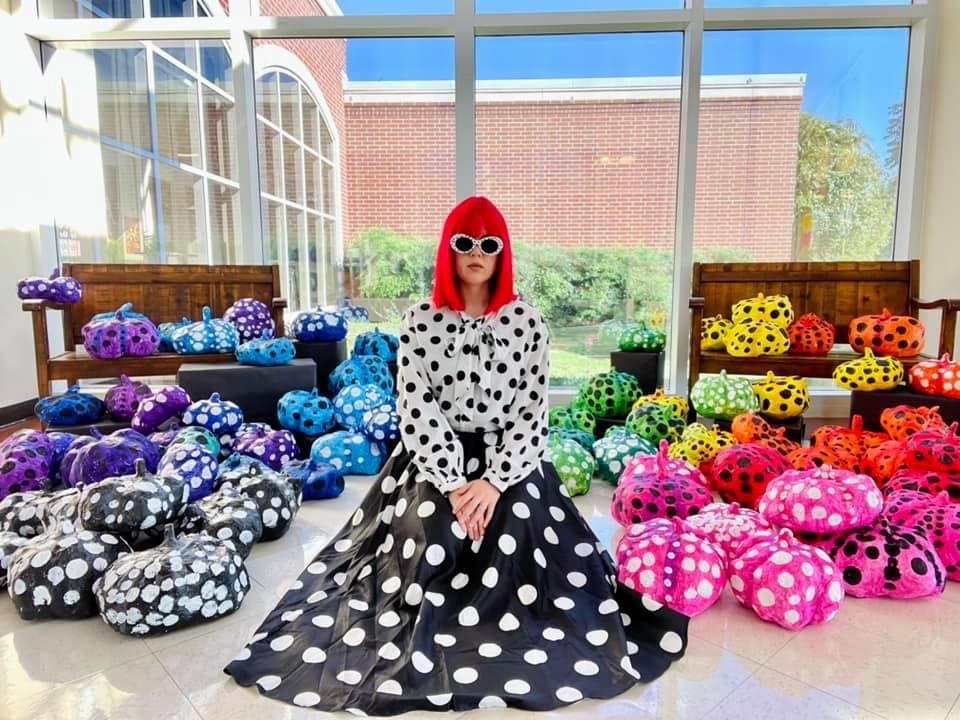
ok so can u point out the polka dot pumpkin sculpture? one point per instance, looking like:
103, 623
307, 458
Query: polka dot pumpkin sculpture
56, 289
181, 582
937, 377
887, 334
272, 447
742, 473
123, 505
656, 486
884, 560
571, 418
923, 481
166, 331
933, 515
378, 343
667, 562
9, 542
573, 463
71, 408
122, 400
192, 465
276, 498
609, 394
727, 526
699, 446
713, 333
105, 456
882, 461
753, 338
266, 352
319, 326
751, 428
811, 335
305, 412
353, 312
782, 397
723, 397
786, 582
637, 337
679, 404
611, 453
215, 414
251, 318
209, 335
902, 421
583, 438
361, 370
121, 335
869, 373
25, 458
61, 442
353, 401
822, 500
52, 576
381, 422
351, 453
774, 309
229, 516
936, 450
197, 436
22, 513
165, 404
851, 443
319, 482
654, 423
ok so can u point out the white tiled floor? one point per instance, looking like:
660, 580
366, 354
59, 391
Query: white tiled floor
878, 659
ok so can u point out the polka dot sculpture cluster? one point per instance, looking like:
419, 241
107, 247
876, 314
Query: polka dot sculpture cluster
723, 396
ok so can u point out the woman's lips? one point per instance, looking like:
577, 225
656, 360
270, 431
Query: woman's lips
478, 266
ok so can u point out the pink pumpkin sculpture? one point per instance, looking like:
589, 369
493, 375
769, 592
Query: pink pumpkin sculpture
885, 560
937, 450
786, 582
654, 486
727, 526
933, 515
741, 473
666, 561
925, 481
821, 500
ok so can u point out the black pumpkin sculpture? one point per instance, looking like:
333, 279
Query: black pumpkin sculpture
22, 513
52, 575
227, 515
63, 504
9, 542
128, 504
276, 496
179, 583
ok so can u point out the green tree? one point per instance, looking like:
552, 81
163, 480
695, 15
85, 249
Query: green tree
842, 183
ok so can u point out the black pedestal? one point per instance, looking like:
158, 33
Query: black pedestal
326, 355
255, 389
870, 405
645, 367
104, 427
796, 427
604, 424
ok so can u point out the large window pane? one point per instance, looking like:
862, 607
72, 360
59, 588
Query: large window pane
292, 172
178, 120
181, 194
577, 143
216, 65
290, 104
273, 227
224, 223
334, 282
221, 148
296, 295
310, 121
271, 167
268, 104
359, 7
513, 6
91, 8
312, 179
315, 258
799, 147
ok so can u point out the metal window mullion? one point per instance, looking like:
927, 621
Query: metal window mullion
302, 240
465, 98
201, 116
677, 356
250, 248
155, 155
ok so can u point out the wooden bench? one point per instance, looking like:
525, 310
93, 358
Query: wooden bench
837, 292
164, 293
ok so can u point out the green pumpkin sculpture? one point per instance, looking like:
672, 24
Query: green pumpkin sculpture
610, 395
580, 436
574, 464
655, 423
637, 337
613, 451
723, 397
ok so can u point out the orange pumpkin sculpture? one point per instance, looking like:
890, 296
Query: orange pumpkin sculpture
902, 421
887, 334
937, 377
810, 334
751, 428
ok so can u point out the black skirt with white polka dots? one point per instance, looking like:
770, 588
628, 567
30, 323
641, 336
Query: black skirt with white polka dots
401, 611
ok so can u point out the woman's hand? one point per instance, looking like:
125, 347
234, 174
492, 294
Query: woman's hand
473, 504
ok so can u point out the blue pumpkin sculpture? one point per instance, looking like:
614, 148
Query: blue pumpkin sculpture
71, 408
353, 312
166, 331
305, 412
375, 342
362, 370
191, 464
382, 422
266, 351
61, 443
353, 401
318, 482
351, 453
210, 335
194, 435
319, 326
218, 416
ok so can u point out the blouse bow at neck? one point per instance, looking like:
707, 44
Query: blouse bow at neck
477, 333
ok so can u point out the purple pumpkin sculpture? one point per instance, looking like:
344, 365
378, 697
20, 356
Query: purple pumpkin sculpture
25, 459
167, 402
251, 318
61, 442
123, 334
107, 456
271, 447
56, 289
164, 438
123, 400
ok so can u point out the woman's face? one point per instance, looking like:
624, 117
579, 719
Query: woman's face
475, 268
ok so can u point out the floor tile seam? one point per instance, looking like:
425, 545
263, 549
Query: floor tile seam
183, 693
826, 692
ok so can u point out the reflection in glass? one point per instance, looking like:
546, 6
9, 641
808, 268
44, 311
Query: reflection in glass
290, 104
178, 123
185, 236
224, 223
218, 118
295, 242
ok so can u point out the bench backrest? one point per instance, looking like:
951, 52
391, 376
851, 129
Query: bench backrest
836, 291
165, 293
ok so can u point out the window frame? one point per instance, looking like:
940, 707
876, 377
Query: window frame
244, 24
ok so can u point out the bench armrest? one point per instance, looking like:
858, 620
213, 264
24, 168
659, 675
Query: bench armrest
696, 302
949, 307
279, 303
41, 343
38, 305
277, 306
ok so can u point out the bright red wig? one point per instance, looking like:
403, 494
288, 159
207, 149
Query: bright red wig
475, 216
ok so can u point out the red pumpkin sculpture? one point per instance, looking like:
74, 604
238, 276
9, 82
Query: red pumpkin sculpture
936, 377
887, 334
751, 428
741, 473
936, 450
853, 441
807, 458
932, 483
810, 334
902, 421
882, 461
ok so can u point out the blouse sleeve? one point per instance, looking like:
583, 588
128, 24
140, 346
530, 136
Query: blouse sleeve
425, 431
524, 440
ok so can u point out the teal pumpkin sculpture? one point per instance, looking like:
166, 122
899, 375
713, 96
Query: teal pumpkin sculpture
581, 436
638, 337
723, 397
362, 370
613, 451
378, 343
610, 395
210, 335
218, 416
573, 463
381, 422
201, 437
319, 326
655, 423
305, 412
353, 401
166, 331
351, 453
267, 351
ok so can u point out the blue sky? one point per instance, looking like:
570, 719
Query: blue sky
851, 74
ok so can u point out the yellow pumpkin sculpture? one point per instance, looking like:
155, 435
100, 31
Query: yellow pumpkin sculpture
752, 338
679, 405
782, 397
713, 332
870, 372
775, 309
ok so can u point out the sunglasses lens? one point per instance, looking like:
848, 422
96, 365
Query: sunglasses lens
462, 244
490, 246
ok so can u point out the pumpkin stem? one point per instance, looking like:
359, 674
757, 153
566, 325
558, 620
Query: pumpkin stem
207, 312
55, 274
96, 433
124, 380
735, 508
662, 458
856, 424
314, 392
140, 468
169, 535
73, 390
215, 397
945, 358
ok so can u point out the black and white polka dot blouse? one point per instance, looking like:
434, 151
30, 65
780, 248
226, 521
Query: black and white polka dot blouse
456, 373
